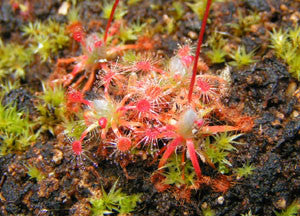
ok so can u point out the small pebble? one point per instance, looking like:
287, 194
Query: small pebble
193, 35
281, 203
220, 200
64, 8
57, 156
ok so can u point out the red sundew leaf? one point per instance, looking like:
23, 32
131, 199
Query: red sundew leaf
170, 149
193, 156
218, 129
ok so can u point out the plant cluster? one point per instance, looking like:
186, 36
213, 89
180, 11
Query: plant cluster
35, 173
42, 39
244, 23
145, 105
14, 59
17, 131
52, 108
287, 47
291, 210
46, 38
113, 201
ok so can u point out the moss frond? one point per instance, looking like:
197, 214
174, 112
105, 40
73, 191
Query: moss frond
16, 129
52, 107
241, 57
35, 173
287, 47
119, 13
46, 38
114, 201
13, 59
291, 210
218, 151
244, 171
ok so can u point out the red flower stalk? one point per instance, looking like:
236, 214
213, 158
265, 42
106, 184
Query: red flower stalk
110, 19
201, 34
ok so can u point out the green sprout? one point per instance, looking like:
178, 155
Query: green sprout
176, 170
179, 10
291, 210
248, 214
244, 23
287, 47
119, 13
114, 201
208, 212
133, 2
14, 58
35, 173
217, 55
218, 151
16, 130
52, 107
46, 38
217, 43
244, 171
128, 33
241, 57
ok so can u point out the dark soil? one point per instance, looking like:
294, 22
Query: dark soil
272, 146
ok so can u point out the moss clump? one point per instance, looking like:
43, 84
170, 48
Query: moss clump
218, 151
46, 38
114, 201
244, 171
291, 210
17, 131
287, 47
241, 57
13, 59
52, 108
35, 173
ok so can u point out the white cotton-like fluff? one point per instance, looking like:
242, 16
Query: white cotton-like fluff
100, 105
186, 123
176, 67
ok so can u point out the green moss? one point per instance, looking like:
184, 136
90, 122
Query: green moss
179, 9
218, 151
244, 171
14, 59
16, 130
114, 201
73, 15
248, 214
244, 23
35, 173
121, 10
46, 38
52, 108
175, 171
241, 57
287, 47
133, 2
75, 126
208, 212
217, 42
291, 210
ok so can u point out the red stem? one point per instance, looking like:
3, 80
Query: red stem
204, 20
110, 19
